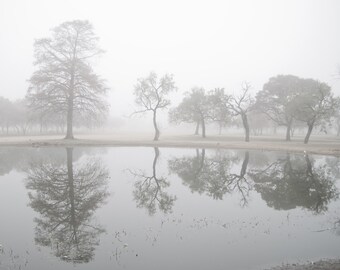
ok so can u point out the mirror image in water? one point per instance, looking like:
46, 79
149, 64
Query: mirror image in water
159, 208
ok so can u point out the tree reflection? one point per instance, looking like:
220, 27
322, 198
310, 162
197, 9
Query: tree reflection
66, 198
213, 176
191, 170
295, 181
149, 190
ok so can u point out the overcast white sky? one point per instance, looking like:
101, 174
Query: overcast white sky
203, 43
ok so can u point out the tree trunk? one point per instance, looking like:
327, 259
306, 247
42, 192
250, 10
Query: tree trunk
203, 127
288, 131
155, 126
246, 126
274, 130
69, 131
309, 132
220, 128
41, 124
197, 128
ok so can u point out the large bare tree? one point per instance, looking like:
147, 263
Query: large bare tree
152, 95
64, 82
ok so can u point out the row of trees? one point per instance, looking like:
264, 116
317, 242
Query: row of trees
13, 116
64, 87
16, 117
285, 100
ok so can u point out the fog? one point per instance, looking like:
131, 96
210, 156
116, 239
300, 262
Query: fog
202, 43
138, 129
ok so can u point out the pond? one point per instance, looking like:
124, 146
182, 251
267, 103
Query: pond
163, 208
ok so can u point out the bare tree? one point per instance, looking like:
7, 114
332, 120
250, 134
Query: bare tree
315, 105
152, 95
64, 82
276, 100
184, 114
238, 105
196, 107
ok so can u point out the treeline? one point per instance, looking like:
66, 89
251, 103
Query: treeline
284, 101
17, 118
64, 92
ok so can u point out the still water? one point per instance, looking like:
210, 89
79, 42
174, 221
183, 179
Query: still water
159, 208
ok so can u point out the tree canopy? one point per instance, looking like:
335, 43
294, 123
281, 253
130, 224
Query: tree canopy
151, 94
315, 105
277, 100
196, 107
64, 82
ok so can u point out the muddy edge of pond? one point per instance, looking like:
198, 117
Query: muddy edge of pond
329, 146
319, 265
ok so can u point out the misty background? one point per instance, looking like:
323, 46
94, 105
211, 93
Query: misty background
206, 44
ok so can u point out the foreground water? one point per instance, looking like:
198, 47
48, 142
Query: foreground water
150, 208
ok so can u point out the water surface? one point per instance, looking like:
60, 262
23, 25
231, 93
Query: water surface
159, 208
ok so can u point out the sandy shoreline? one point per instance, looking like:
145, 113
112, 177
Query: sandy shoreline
326, 145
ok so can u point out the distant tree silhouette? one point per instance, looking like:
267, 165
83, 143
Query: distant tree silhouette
236, 105
152, 94
196, 107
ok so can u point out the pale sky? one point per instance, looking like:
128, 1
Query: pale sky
202, 43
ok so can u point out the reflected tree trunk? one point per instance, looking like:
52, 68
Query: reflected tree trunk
69, 152
200, 158
66, 199
150, 190
244, 165
155, 162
